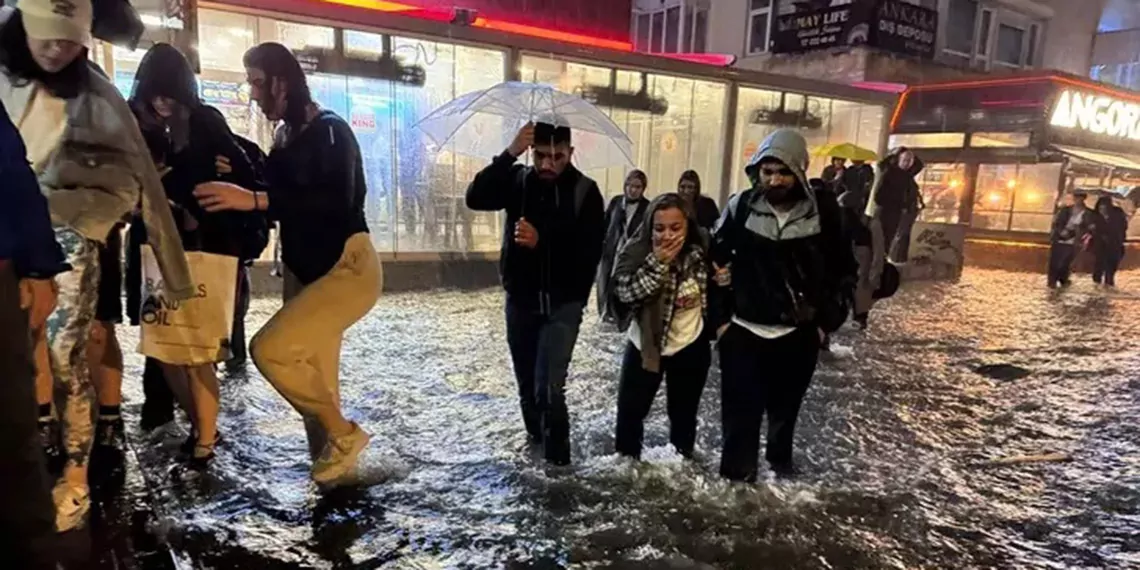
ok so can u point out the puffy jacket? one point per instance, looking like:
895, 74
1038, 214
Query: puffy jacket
798, 275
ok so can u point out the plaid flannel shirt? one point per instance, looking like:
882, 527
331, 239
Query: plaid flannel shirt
653, 277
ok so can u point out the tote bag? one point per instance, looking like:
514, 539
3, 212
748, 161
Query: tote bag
196, 330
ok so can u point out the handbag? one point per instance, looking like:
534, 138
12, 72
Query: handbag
196, 330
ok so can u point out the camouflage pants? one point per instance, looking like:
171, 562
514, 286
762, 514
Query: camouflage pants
67, 331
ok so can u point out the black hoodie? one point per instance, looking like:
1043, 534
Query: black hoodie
562, 268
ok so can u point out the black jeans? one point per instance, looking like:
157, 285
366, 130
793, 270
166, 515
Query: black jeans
685, 374
238, 345
1107, 262
1061, 258
761, 376
27, 516
890, 219
541, 349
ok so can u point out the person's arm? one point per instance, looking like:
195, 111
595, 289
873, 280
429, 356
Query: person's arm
37, 255
632, 287
722, 250
495, 187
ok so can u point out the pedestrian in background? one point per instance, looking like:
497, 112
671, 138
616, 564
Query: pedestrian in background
1072, 225
1111, 233
689, 187
898, 200
624, 218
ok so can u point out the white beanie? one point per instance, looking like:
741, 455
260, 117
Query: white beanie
57, 19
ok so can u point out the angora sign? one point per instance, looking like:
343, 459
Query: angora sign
1097, 114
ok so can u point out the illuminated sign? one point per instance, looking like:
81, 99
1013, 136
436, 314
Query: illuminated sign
1097, 114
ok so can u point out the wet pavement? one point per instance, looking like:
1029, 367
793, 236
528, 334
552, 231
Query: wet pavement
985, 424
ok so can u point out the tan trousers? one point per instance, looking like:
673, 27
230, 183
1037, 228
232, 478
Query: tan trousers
298, 350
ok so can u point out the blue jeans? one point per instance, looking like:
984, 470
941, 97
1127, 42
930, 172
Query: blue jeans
541, 349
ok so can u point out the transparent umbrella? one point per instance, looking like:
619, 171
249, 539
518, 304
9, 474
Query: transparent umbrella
484, 123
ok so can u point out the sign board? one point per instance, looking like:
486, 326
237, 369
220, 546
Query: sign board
891, 25
1097, 114
936, 252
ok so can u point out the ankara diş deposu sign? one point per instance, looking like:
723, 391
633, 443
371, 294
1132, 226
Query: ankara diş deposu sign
1097, 114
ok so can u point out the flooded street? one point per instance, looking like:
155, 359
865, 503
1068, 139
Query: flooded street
920, 446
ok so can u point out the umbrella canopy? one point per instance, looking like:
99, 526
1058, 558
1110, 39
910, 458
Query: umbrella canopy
117, 22
849, 151
483, 123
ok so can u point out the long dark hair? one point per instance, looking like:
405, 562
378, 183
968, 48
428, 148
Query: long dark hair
691, 176
279, 63
17, 61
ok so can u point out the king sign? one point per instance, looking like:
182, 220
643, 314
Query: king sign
1097, 114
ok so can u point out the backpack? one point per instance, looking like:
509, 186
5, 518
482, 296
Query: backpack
580, 189
254, 225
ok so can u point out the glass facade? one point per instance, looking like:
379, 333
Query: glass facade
942, 186
1016, 197
415, 193
689, 135
822, 121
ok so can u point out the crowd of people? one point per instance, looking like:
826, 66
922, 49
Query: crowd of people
763, 281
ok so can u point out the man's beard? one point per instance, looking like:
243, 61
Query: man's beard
784, 194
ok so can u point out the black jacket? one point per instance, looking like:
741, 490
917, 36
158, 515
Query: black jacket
707, 212
1112, 231
562, 268
897, 188
316, 193
794, 281
616, 225
1061, 232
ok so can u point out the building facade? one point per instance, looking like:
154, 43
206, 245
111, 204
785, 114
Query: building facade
895, 41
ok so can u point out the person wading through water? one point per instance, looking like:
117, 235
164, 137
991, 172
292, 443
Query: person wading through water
790, 276
552, 242
661, 288
624, 218
93, 166
187, 137
316, 191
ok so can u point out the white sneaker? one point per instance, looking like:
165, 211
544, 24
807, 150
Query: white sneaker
337, 463
72, 503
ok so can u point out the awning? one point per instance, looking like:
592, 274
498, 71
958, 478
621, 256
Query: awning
1115, 160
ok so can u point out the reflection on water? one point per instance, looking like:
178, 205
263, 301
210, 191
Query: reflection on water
897, 444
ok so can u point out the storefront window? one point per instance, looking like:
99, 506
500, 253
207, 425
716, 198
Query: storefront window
999, 140
689, 135
1016, 197
929, 140
942, 185
822, 122
415, 194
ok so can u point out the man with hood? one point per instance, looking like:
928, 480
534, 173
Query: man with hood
552, 242
792, 273
689, 187
624, 218
898, 200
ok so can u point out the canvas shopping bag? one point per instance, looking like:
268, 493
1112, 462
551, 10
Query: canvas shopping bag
194, 331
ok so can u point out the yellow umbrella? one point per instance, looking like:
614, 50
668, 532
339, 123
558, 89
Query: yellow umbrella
847, 150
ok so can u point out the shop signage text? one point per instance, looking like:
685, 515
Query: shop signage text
1097, 114
888, 24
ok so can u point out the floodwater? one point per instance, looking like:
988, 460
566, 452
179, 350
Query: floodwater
932, 441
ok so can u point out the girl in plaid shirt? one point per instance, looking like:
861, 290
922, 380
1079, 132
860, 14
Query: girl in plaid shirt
661, 292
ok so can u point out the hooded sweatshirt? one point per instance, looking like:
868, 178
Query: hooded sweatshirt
660, 301
98, 168
789, 269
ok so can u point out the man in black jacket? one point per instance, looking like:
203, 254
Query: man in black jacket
791, 273
552, 242
1071, 225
